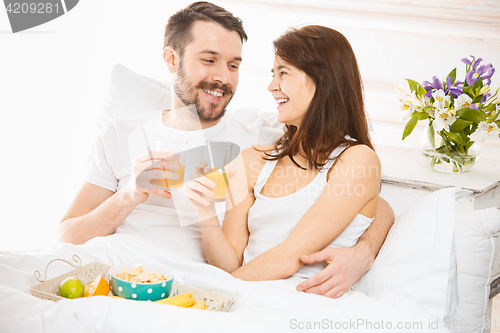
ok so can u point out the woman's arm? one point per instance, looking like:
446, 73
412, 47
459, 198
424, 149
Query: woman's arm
224, 247
352, 188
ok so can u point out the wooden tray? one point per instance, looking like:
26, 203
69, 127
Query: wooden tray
49, 289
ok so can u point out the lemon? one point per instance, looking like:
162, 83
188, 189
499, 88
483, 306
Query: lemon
71, 288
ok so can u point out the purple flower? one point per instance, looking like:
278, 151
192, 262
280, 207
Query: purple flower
475, 63
486, 72
471, 77
454, 88
432, 87
474, 71
471, 64
485, 98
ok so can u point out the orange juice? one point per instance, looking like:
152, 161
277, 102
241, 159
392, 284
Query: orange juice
220, 178
172, 183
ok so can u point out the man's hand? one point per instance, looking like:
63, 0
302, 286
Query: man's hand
147, 168
345, 267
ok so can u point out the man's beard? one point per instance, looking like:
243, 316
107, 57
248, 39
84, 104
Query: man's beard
186, 92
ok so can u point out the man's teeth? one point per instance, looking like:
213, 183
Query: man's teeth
213, 93
282, 100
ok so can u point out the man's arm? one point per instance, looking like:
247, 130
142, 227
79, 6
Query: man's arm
97, 211
347, 265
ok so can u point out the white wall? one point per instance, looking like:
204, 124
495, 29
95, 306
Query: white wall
53, 79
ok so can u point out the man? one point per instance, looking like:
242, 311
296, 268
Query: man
203, 45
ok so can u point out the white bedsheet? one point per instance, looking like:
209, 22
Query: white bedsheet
266, 306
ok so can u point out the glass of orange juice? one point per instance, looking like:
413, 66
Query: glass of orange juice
178, 151
218, 157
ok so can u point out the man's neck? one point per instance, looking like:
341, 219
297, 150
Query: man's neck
185, 120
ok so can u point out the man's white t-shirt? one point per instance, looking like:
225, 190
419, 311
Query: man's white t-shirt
169, 223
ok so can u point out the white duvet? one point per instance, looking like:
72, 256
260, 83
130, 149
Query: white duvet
267, 306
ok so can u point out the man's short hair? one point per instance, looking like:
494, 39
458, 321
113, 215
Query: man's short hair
178, 29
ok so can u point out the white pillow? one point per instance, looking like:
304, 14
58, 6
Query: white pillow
130, 94
417, 260
476, 236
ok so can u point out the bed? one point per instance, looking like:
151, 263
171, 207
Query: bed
414, 284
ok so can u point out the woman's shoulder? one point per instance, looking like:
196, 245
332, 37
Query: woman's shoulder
257, 152
254, 159
361, 153
357, 160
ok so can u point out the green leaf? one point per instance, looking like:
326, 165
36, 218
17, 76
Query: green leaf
453, 75
498, 123
469, 90
469, 144
477, 99
470, 130
416, 88
456, 137
490, 107
410, 126
473, 115
477, 86
413, 85
459, 125
492, 116
427, 108
423, 115
465, 139
431, 135
441, 149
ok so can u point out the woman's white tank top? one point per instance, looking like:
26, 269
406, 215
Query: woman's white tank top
271, 220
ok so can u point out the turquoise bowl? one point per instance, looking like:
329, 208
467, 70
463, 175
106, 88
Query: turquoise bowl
141, 291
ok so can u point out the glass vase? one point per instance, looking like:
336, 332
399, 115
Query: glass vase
449, 162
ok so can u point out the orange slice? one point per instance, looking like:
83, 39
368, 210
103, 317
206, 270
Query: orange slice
99, 287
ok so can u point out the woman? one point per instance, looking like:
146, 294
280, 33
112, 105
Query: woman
317, 185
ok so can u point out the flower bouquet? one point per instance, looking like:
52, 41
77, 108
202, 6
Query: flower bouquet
455, 110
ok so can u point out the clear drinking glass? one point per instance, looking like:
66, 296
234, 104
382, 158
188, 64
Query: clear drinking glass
218, 157
178, 151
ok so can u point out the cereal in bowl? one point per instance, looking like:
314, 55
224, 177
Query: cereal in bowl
138, 275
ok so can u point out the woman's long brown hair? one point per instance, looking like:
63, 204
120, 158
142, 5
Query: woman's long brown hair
336, 109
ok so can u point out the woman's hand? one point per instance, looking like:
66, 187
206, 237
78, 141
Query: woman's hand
198, 187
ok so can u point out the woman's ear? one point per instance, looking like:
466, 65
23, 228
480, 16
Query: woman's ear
171, 59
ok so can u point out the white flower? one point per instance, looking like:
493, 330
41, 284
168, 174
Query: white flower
484, 129
426, 100
494, 130
440, 99
416, 101
463, 101
403, 89
407, 107
443, 119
